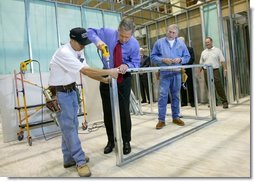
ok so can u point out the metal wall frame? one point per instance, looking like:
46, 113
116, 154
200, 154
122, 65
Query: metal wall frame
120, 160
236, 76
150, 90
27, 15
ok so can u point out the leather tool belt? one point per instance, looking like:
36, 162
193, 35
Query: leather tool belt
65, 88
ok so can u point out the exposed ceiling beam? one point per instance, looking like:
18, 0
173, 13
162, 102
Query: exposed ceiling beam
138, 6
144, 9
98, 4
142, 18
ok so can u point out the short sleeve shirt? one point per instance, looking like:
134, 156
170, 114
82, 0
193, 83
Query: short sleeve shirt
65, 65
212, 57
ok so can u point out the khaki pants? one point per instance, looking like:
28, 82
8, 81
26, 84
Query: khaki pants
218, 85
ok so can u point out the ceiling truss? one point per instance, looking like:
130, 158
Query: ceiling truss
144, 12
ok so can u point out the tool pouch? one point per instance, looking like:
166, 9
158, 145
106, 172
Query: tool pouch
51, 99
53, 105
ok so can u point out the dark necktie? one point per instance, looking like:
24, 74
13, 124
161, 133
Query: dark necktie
117, 57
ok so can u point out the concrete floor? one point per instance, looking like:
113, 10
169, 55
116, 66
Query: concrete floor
222, 149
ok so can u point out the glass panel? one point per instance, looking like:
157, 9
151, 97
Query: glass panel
14, 47
93, 19
13, 35
211, 23
66, 20
115, 20
43, 32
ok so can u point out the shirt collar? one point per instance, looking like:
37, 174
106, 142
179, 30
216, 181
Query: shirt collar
211, 48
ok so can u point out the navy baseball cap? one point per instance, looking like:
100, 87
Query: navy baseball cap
80, 35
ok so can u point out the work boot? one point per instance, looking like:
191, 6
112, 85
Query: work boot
83, 171
160, 125
74, 163
178, 121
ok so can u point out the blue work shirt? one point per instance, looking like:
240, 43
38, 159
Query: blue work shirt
130, 49
162, 49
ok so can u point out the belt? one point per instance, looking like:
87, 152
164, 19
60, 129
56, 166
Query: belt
65, 88
127, 74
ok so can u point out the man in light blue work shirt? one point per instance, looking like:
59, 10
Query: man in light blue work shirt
124, 52
169, 51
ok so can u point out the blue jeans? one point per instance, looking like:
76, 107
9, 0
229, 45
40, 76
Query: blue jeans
68, 122
169, 81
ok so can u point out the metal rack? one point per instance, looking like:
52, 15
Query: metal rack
20, 134
120, 160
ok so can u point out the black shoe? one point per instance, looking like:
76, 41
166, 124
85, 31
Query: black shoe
225, 105
126, 148
192, 105
108, 148
143, 101
183, 104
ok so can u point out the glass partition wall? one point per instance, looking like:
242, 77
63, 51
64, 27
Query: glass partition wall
34, 29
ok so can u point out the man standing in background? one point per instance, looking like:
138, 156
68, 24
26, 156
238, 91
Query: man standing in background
145, 62
189, 85
213, 56
169, 51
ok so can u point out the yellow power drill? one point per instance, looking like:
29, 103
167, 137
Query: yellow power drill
23, 65
106, 54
